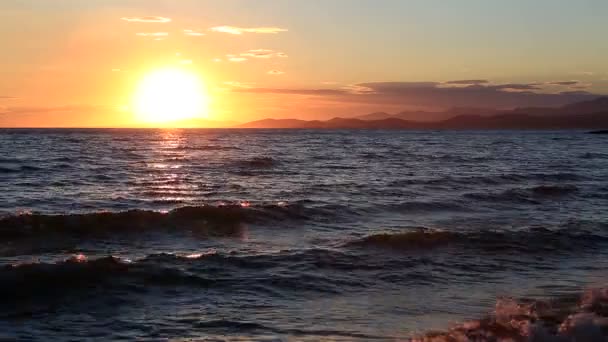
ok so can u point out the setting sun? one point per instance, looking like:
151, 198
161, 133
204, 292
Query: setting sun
169, 95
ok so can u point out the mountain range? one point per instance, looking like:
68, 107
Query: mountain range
591, 114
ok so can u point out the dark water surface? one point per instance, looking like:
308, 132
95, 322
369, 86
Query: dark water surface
302, 235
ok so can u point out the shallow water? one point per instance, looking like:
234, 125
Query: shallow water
302, 235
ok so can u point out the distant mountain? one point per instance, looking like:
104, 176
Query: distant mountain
279, 123
582, 115
599, 104
426, 116
375, 116
592, 106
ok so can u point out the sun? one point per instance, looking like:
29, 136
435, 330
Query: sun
169, 95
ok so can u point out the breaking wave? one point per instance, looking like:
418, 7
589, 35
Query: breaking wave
560, 320
221, 220
534, 240
35, 280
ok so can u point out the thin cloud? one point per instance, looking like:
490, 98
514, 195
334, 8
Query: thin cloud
240, 30
7, 97
275, 72
152, 34
68, 108
584, 73
236, 84
436, 95
146, 19
263, 53
563, 83
285, 91
235, 58
467, 82
193, 33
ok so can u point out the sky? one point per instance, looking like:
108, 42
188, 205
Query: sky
79, 63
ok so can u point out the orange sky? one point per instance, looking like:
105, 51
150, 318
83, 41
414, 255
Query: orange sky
79, 63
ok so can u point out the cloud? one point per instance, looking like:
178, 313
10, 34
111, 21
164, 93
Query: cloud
571, 84
241, 30
275, 72
563, 83
584, 73
3, 97
263, 53
193, 33
152, 34
186, 61
239, 84
515, 87
319, 92
235, 58
32, 110
146, 19
437, 95
467, 82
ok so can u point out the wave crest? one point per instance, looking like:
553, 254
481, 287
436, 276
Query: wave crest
221, 220
534, 240
560, 320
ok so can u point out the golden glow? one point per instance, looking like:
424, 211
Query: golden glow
170, 95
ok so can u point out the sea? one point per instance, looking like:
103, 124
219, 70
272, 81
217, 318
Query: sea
303, 235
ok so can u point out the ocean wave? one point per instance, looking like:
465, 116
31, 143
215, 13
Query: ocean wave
563, 319
593, 155
430, 206
222, 220
257, 163
510, 178
206, 148
35, 280
553, 190
20, 169
271, 273
531, 195
534, 240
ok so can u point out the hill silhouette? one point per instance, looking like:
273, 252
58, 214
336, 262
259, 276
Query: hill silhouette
591, 114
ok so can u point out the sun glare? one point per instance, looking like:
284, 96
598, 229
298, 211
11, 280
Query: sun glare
170, 95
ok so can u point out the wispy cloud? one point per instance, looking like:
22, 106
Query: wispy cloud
583, 73
235, 58
67, 108
3, 97
467, 82
436, 94
236, 84
289, 91
147, 19
241, 30
263, 53
152, 34
275, 72
194, 33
